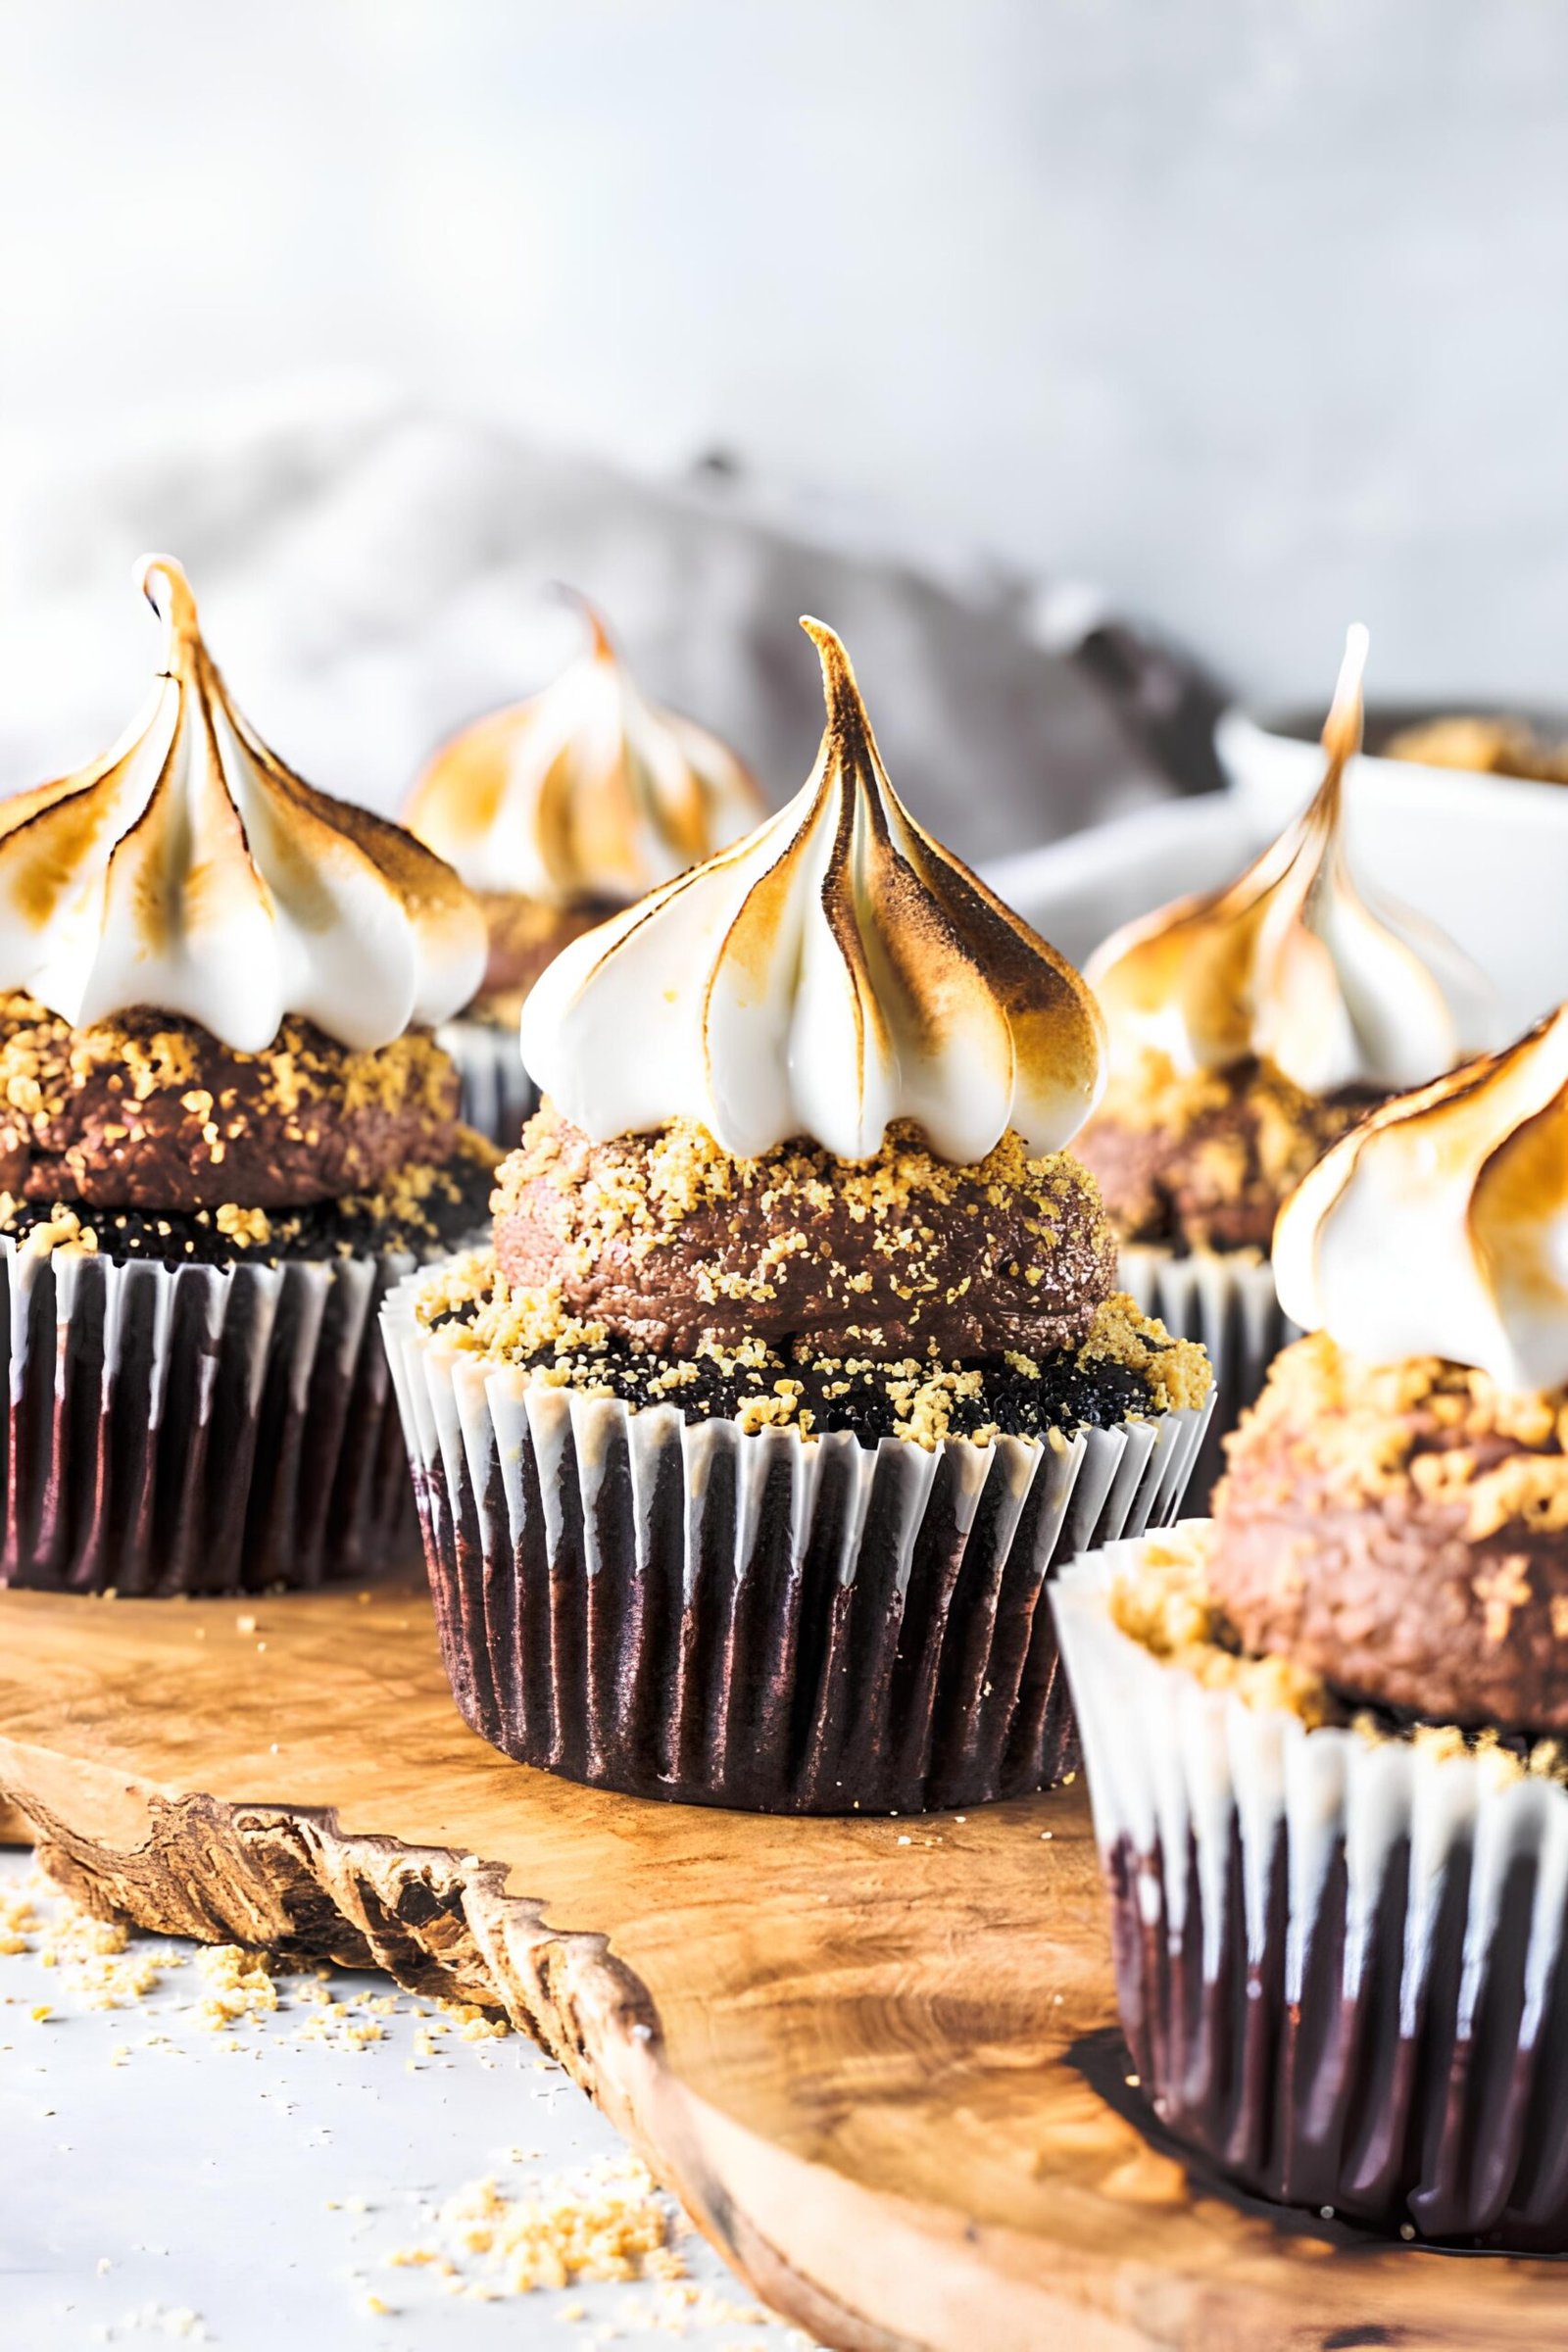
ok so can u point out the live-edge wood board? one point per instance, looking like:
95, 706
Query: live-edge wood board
877, 2059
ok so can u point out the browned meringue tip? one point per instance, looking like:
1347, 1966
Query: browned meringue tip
847, 721
1343, 728
838, 670
601, 643
163, 582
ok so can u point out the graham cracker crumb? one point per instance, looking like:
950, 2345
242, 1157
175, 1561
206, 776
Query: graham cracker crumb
1176, 1372
1164, 1603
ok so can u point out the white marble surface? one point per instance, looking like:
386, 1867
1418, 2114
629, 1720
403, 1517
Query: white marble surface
244, 2189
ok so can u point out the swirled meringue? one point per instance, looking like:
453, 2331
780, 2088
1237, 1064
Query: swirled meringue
834, 972
583, 791
1440, 1225
1288, 964
191, 870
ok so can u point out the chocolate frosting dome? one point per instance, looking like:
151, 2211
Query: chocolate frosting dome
1440, 1226
583, 791
833, 973
191, 869
675, 1245
1289, 963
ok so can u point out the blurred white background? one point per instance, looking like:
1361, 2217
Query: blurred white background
1250, 314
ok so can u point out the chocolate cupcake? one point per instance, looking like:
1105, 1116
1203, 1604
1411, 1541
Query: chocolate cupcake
558, 812
798, 1360
1327, 1734
225, 1133
1249, 1028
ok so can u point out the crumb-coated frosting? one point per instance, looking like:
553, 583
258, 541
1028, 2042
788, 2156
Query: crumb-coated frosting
1126, 1364
584, 792
667, 1241
422, 1209
830, 976
189, 869
1403, 1532
1201, 1160
1290, 964
1440, 1226
148, 1112
1165, 1601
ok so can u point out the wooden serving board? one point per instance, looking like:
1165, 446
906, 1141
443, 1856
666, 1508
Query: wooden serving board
876, 2059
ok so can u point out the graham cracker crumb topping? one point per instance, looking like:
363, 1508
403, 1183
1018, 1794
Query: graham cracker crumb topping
1446, 1429
925, 1399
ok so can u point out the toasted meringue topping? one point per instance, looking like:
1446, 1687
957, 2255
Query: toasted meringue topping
1440, 1226
834, 972
191, 869
585, 791
1290, 963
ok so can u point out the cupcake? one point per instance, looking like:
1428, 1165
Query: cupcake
558, 812
225, 1132
1327, 1733
797, 1361
1249, 1028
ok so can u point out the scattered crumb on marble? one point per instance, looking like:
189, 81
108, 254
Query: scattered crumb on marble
607, 2225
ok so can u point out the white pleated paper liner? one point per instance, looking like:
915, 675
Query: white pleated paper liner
685, 1610
1340, 1961
1227, 1300
198, 1429
498, 1094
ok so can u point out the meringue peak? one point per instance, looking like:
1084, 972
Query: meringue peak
849, 723
833, 973
1439, 1226
191, 870
601, 645
163, 584
1290, 963
583, 791
1345, 726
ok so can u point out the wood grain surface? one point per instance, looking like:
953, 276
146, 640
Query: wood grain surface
877, 2059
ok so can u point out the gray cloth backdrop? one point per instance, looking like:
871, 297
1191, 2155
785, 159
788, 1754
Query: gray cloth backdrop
371, 576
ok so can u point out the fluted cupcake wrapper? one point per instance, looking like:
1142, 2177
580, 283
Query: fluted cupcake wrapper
1339, 1961
764, 1621
1227, 1300
196, 1428
498, 1094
